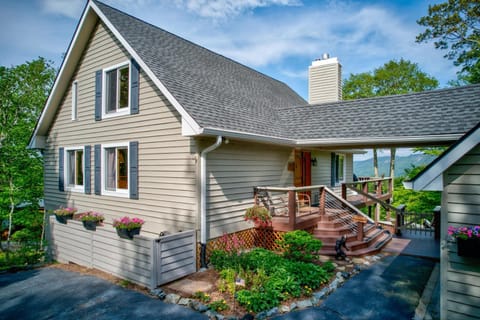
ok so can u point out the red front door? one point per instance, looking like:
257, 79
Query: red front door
303, 169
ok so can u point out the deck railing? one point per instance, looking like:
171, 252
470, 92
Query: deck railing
380, 188
300, 204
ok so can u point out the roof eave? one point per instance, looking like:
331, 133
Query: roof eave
431, 178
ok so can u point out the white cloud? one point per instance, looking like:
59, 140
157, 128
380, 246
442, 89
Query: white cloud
228, 8
68, 8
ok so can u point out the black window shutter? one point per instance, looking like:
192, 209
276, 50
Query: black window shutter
133, 181
61, 172
134, 90
333, 171
98, 95
87, 171
98, 168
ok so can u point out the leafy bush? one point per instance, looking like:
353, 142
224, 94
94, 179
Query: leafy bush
328, 266
299, 245
260, 258
307, 274
257, 301
218, 305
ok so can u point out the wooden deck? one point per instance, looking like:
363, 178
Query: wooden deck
307, 218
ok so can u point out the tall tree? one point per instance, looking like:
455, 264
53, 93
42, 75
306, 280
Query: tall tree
454, 25
394, 77
23, 91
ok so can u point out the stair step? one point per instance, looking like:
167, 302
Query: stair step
360, 248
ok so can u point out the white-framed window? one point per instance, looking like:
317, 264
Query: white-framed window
115, 169
74, 168
116, 90
74, 100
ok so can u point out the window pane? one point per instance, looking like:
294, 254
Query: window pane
71, 167
79, 168
124, 84
122, 159
111, 94
110, 169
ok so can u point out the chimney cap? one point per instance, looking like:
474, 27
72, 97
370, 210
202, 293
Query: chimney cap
325, 56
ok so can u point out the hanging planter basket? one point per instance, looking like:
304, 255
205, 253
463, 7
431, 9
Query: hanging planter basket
127, 233
62, 218
469, 248
90, 225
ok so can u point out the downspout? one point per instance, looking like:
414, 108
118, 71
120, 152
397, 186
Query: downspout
203, 201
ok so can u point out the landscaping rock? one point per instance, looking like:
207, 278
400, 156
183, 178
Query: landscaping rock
358, 260
218, 316
261, 315
334, 264
284, 309
293, 306
322, 293
248, 316
304, 304
211, 314
159, 293
342, 268
345, 275
184, 301
334, 285
315, 301
272, 312
172, 298
198, 306
350, 265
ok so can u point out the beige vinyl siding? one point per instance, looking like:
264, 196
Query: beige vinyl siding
462, 275
324, 83
349, 167
233, 170
167, 165
321, 174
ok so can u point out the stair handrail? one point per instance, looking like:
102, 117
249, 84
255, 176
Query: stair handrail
348, 204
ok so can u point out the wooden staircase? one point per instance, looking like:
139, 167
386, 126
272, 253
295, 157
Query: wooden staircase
331, 227
338, 220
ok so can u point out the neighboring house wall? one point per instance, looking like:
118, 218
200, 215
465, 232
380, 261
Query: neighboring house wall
167, 166
460, 297
234, 169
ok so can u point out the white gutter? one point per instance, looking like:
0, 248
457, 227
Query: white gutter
203, 200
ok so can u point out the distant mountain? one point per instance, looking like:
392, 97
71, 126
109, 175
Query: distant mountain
364, 168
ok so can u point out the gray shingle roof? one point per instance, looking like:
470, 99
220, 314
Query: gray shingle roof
446, 111
220, 93
214, 90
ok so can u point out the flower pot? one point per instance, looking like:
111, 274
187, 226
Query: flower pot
127, 233
468, 247
90, 225
63, 218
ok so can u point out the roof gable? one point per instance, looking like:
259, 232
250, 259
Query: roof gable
431, 178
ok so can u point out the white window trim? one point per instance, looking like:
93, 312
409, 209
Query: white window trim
124, 193
74, 188
126, 110
74, 100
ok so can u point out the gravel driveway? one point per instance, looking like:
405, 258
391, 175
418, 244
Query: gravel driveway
51, 293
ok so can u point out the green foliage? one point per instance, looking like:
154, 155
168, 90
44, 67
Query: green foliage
259, 215
219, 305
416, 201
24, 256
394, 77
202, 296
328, 266
23, 91
433, 151
299, 245
454, 25
269, 277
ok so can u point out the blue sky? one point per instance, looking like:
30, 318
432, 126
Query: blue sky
277, 37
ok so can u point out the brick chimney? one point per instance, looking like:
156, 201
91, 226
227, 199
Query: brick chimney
325, 80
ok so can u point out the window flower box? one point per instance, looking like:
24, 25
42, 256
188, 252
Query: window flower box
91, 220
468, 240
64, 214
128, 227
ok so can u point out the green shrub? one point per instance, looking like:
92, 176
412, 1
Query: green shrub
256, 301
260, 258
328, 266
223, 260
219, 305
285, 283
299, 245
307, 274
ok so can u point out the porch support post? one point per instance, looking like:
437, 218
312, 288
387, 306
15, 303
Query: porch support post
344, 191
436, 221
322, 201
291, 209
365, 189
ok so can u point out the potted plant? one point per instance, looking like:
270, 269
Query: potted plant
128, 227
63, 214
259, 215
91, 219
468, 240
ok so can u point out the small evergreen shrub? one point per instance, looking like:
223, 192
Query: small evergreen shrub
299, 245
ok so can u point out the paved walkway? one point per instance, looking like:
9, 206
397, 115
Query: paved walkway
390, 289
51, 293
418, 244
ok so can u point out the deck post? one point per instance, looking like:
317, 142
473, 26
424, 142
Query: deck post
344, 191
291, 209
399, 219
436, 221
322, 201
360, 231
365, 189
